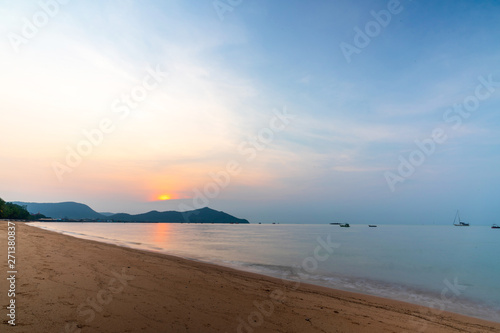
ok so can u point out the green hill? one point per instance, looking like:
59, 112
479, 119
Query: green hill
78, 211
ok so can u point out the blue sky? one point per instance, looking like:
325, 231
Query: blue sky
351, 122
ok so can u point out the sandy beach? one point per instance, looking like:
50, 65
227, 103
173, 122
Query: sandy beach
65, 284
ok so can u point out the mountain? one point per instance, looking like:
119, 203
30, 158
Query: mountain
106, 213
62, 210
78, 211
203, 215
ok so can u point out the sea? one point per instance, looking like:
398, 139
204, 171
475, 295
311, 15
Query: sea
447, 268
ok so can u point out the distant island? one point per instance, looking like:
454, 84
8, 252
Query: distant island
78, 212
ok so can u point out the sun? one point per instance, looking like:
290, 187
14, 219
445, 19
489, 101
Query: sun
164, 197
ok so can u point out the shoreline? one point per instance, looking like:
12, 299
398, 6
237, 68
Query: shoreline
83, 285
453, 300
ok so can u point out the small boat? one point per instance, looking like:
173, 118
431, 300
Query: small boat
345, 225
495, 226
460, 222
372, 225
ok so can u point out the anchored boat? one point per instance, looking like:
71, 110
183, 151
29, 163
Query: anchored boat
460, 222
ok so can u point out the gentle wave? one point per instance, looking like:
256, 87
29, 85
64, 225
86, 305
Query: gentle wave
367, 261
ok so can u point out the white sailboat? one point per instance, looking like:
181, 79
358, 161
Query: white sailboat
460, 222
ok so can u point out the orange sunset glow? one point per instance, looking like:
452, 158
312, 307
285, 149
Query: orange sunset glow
162, 233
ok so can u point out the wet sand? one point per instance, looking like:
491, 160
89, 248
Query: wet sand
66, 284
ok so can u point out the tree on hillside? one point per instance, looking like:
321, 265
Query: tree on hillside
13, 211
2, 205
9, 210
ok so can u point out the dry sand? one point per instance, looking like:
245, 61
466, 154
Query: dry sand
65, 284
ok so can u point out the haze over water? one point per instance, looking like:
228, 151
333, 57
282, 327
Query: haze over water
448, 268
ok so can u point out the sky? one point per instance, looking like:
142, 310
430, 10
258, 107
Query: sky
274, 111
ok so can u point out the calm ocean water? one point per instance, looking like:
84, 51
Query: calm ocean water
449, 268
